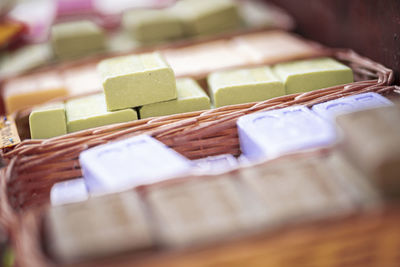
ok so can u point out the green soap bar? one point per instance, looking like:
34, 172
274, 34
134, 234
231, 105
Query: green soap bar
91, 111
137, 80
307, 75
243, 86
152, 25
48, 121
207, 16
190, 98
77, 38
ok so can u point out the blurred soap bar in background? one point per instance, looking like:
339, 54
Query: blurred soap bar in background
48, 121
128, 163
311, 74
191, 97
330, 109
273, 133
216, 164
82, 80
371, 139
97, 228
74, 7
69, 191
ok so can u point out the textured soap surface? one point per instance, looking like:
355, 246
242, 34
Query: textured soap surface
136, 161
245, 85
137, 80
216, 164
330, 109
69, 191
273, 133
190, 98
91, 111
48, 121
311, 74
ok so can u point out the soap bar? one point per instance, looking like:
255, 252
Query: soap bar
136, 161
204, 210
48, 121
69, 191
216, 164
273, 133
190, 98
330, 109
207, 16
242, 86
91, 111
311, 74
32, 90
132, 81
152, 25
372, 142
76, 39
97, 228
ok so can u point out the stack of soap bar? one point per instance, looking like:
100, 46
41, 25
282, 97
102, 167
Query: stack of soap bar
204, 210
137, 80
273, 133
91, 111
152, 25
68, 192
191, 97
216, 164
32, 90
48, 121
207, 16
136, 161
242, 86
372, 142
97, 228
311, 74
330, 109
76, 39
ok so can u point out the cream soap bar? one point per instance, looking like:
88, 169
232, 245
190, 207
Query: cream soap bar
91, 111
75, 39
152, 25
48, 121
242, 86
190, 98
307, 75
137, 80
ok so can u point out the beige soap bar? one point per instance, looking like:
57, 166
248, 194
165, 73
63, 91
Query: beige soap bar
190, 98
48, 121
244, 85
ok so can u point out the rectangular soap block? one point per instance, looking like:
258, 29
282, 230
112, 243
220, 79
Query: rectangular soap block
97, 228
244, 85
152, 25
137, 80
191, 97
48, 121
311, 74
125, 164
91, 111
216, 164
273, 133
76, 39
330, 109
31, 90
68, 192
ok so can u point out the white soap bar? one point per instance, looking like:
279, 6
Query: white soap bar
216, 164
68, 192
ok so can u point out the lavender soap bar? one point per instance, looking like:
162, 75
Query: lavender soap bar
273, 133
136, 161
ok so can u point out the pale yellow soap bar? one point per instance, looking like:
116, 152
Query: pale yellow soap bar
48, 121
243, 86
91, 111
311, 74
137, 80
190, 98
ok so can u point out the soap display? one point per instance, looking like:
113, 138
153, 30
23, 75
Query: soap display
311, 74
69, 191
137, 80
244, 85
191, 97
273, 133
136, 161
48, 121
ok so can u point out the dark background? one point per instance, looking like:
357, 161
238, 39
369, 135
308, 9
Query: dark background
370, 27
